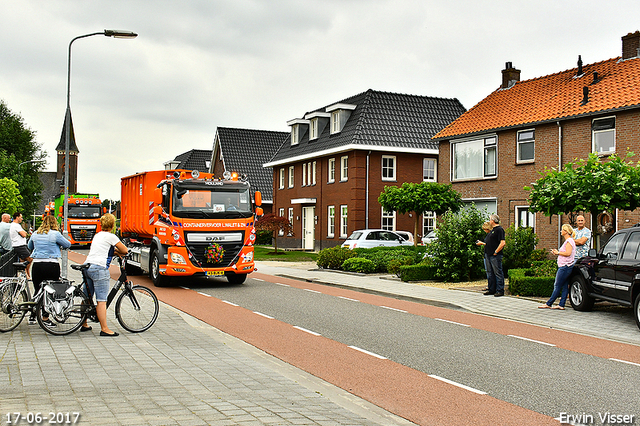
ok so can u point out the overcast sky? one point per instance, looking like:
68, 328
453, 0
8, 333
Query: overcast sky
256, 64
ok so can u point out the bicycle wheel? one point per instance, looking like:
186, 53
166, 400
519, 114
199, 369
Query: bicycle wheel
137, 310
69, 320
10, 313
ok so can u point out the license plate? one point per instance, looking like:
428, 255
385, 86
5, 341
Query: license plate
214, 273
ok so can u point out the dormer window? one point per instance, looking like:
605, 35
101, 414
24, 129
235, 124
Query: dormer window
295, 134
340, 113
317, 123
298, 130
313, 129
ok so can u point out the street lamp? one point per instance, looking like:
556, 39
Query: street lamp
67, 125
30, 161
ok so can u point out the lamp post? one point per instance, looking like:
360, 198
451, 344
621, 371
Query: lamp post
30, 161
67, 126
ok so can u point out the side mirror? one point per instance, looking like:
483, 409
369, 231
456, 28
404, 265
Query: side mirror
104, 210
259, 211
593, 252
258, 198
157, 196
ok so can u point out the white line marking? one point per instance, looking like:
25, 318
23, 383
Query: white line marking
626, 362
530, 340
258, 279
348, 298
186, 288
367, 352
262, 315
393, 309
230, 303
312, 291
452, 322
307, 331
479, 392
283, 285
204, 294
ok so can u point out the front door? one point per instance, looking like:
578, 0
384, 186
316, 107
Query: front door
308, 228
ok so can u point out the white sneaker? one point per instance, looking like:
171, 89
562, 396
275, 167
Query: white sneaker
32, 320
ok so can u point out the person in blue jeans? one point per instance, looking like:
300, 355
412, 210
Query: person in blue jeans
493, 244
566, 258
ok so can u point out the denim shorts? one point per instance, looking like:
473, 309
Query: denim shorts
100, 277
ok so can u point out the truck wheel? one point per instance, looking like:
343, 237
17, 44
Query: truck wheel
158, 279
636, 310
236, 278
580, 299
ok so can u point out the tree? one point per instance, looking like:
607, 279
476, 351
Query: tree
271, 222
18, 145
590, 185
418, 198
9, 196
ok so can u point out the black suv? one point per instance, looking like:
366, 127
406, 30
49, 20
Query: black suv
613, 274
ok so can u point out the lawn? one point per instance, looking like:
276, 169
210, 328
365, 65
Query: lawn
267, 253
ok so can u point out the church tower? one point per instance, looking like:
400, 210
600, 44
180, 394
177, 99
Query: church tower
73, 159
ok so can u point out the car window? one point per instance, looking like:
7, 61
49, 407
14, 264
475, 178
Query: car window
354, 236
388, 236
631, 248
612, 249
373, 236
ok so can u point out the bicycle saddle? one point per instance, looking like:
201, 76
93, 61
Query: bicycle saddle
80, 267
20, 265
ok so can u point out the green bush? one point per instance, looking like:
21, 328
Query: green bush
544, 268
455, 254
520, 244
539, 254
334, 257
418, 272
521, 283
264, 238
382, 256
394, 265
359, 264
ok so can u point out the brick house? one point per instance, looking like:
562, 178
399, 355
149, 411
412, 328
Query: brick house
337, 159
497, 147
244, 151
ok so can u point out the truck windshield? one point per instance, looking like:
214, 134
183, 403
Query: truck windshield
84, 211
217, 203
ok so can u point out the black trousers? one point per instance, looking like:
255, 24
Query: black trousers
42, 271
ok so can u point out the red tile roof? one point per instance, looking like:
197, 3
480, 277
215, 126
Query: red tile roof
553, 97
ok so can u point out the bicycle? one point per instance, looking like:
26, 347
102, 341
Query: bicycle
57, 301
137, 306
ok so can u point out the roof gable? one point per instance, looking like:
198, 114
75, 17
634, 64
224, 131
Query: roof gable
554, 97
195, 159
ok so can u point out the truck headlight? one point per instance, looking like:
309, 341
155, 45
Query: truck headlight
178, 259
248, 257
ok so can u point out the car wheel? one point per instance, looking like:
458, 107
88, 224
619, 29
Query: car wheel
578, 295
636, 310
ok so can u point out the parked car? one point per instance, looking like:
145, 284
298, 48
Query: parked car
406, 235
611, 274
431, 236
367, 238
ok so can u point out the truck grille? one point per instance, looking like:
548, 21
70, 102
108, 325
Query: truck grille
231, 248
83, 233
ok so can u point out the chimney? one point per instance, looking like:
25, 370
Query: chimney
510, 75
631, 45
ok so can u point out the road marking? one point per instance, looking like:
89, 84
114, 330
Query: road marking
230, 303
186, 288
283, 285
531, 340
626, 362
307, 331
348, 298
258, 279
262, 315
452, 322
393, 309
367, 352
451, 382
204, 294
312, 291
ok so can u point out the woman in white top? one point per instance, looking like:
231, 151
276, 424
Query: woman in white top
104, 246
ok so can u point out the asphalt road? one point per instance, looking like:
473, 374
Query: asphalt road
530, 374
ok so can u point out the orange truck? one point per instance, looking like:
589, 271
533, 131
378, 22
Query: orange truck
180, 223
84, 216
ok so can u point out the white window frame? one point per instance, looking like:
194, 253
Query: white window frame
386, 216
344, 216
335, 121
521, 139
304, 174
331, 221
281, 214
344, 168
295, 134
309, 173
489, 147
291, 176
313, 175
313, 129
425, 178
332, 170
389, 170
281, 178
531, 217
428, 222
596, 133
290, 217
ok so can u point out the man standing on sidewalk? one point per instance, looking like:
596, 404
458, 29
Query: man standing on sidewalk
5, 239
583, 238
19, 240
493, 255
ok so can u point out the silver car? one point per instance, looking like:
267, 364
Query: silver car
368, 238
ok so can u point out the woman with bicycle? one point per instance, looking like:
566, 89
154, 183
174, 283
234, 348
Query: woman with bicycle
104, 246
45, 245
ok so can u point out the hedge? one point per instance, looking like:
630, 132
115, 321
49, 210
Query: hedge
419, 272
359, 264
521, 283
